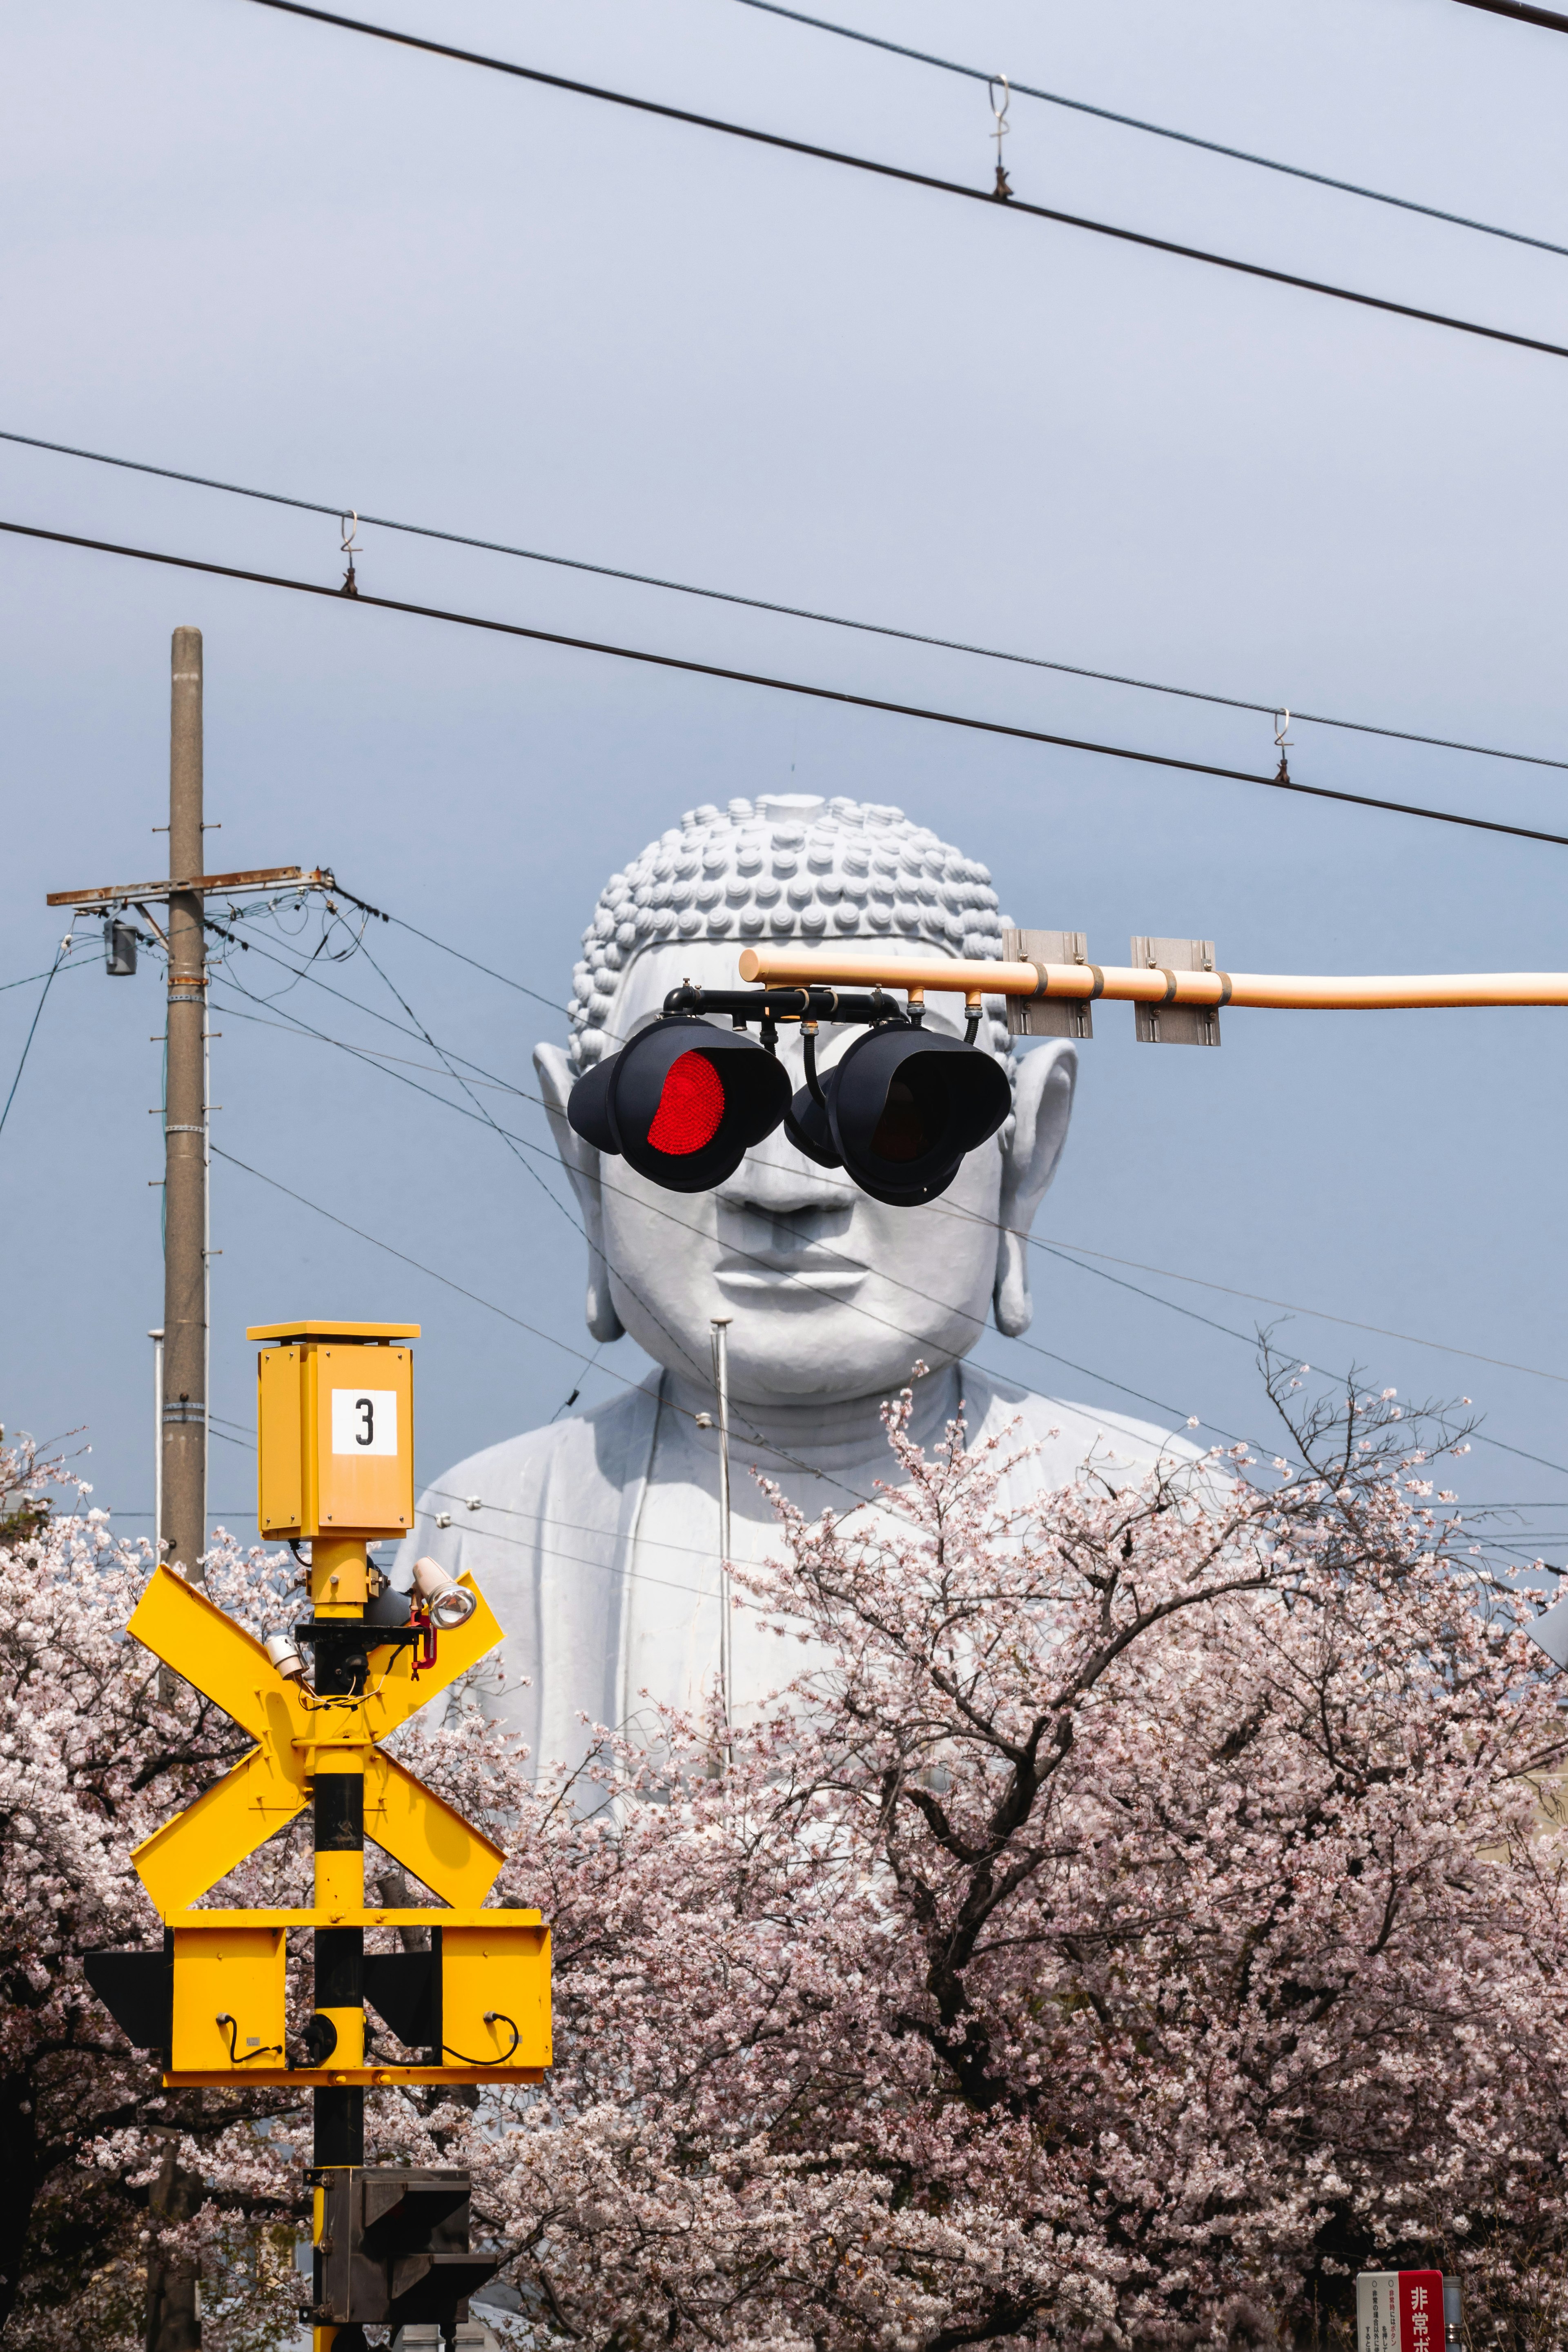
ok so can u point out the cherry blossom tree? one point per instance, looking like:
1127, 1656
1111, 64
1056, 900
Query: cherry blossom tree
1130, 1920
1138, 1919
91, 1761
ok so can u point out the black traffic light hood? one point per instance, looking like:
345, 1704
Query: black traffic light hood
682, 1102
900, 1110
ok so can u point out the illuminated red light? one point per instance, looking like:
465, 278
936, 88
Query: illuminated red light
690, 1109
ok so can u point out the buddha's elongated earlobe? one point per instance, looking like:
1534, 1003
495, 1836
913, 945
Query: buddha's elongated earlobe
1030, 1155
581, 1163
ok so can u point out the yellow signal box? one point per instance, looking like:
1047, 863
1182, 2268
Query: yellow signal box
495, 1993
335, 1422
229, 2015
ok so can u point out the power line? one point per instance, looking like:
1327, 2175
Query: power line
490, 1306
1546, 17
446, 1280
1071, 1253
760, 605
516, 1142
361, 602
488, 970
60, 954
1291, 1306
915, 179
1050, 1354
1160, 129
27, 978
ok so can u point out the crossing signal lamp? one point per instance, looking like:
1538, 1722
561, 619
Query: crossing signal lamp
684, 1101
899, 1111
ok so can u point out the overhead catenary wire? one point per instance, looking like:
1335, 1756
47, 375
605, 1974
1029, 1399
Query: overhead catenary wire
784, 612
910, 178
362, 601
1162, 130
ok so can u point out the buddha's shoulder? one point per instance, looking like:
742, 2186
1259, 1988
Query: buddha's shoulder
609, 1441
1064, 1435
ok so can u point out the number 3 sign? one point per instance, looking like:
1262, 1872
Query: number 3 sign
365, 1420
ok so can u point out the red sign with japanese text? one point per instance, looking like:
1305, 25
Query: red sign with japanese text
1399, 2311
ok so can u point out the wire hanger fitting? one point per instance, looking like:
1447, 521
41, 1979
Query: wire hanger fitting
1004, 188
1282, 744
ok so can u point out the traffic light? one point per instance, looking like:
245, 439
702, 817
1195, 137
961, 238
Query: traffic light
392, 2248
898, 1111
683, 1102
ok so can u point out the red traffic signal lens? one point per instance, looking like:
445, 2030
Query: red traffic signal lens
690, 1107
682, 1102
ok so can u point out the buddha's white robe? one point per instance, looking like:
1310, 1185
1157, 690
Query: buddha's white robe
597, 1540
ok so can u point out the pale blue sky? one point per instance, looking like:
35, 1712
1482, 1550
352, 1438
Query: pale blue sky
272, 252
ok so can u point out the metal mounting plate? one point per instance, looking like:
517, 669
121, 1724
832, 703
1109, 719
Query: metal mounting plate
1174, 1025
1044, 1017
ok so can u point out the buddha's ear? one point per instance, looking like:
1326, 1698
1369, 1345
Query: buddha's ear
581, 1163
1042, 1106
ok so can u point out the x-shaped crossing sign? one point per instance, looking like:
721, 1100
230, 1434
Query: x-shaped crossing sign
268, 1788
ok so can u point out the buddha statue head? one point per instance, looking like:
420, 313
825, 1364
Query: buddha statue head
831, 1294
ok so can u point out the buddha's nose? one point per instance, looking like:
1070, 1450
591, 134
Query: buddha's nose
777, 1178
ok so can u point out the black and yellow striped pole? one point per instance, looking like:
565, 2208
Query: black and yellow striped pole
336, 1430
335, 2036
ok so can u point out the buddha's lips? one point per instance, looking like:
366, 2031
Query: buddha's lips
789, 1269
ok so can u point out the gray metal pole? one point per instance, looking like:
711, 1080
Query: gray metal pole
720, 1328
184, 1522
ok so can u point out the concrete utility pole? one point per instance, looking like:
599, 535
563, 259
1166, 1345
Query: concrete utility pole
183, 1527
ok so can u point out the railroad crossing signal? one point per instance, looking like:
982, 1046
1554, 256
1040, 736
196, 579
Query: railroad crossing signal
336, 1465
182, 1860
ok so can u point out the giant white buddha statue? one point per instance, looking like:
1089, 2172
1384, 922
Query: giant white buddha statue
597, 1540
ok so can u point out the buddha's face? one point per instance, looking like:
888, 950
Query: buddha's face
831, 1294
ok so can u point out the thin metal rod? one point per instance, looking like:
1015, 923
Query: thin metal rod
721, 1328
206, 1259
1129, 984
157, 1340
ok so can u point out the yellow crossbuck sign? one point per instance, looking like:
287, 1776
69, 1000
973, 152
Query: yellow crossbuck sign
483, 2008
179, 1862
